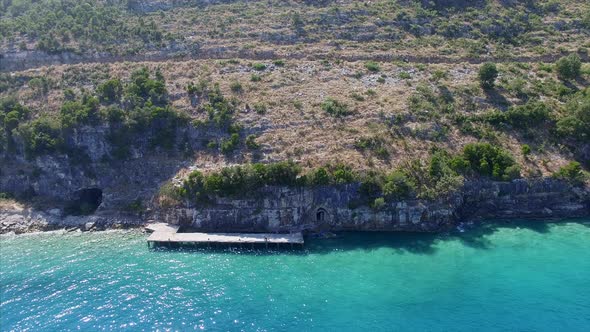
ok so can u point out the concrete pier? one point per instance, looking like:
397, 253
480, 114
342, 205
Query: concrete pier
168, 234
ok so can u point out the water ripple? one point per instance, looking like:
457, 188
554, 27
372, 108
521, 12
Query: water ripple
522, 280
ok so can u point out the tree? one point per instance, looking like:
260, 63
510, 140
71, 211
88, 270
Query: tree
110, 91
397, 186
487, 75
576, 124
40, 85
569, 67
319, 177
11, 120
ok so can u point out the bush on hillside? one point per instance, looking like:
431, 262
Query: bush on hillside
42, 136
335, 108
488, 160
397, 186
238, 180
110, 91
576, 123
531, 114
487, 75
569, 67
77, 113
571, 172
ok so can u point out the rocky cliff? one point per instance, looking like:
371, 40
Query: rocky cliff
336, 208
90, 163
340, 208
121, 192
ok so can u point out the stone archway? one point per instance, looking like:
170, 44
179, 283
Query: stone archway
321, 215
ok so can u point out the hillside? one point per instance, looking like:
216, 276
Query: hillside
375, 87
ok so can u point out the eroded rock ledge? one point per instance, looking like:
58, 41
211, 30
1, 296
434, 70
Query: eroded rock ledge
337, 208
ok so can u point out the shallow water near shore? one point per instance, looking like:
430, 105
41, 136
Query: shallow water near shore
527, 276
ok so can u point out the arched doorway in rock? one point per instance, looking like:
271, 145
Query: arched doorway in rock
321, 215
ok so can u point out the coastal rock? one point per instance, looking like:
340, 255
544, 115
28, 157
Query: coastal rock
280, 209
88, 226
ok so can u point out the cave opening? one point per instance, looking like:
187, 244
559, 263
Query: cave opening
85, 201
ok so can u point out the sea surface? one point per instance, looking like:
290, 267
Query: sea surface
499, 277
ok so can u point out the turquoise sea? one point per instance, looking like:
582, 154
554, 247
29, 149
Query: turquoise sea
499, 277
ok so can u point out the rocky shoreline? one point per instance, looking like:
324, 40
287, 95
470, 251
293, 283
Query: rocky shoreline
21, 220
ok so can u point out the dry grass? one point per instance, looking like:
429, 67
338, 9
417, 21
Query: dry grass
294, 125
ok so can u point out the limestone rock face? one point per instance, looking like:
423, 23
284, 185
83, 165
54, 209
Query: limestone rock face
94, 171
333, 208
59, 177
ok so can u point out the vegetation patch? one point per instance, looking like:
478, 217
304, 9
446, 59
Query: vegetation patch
335, 108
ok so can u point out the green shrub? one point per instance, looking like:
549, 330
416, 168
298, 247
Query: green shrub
342, 174
40, 85
279, 63
533, 113
77, 113
546, 67
438, 75
319, 177
12, 113
259, 66
428, 103
487, 75
80, 26
212, 144
229, 145
143, 89
11, 120
163, 122
255, 78
42, 136
397, 186
335, 108
260, 108
374, 144
525, 149
197, 89
378, 203
586, 19
5, 196
576, 122
110, 91
69, 94
357, 97
251, 142
372, 66
238, 180
569, 67
488, 160
113, 115
236, 87
135, 207
219, 109
571, 172
405, 75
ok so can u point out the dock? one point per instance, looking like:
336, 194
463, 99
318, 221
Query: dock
164, 234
